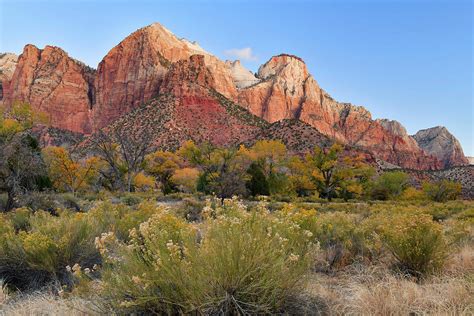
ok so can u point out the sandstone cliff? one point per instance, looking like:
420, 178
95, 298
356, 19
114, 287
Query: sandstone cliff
132, 72
8, 63
439, 142
152, 62
56, 84
288, 91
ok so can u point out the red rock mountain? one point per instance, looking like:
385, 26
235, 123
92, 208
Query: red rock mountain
56, 84
152, 62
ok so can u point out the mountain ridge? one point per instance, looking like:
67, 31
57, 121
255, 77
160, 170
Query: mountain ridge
81, 99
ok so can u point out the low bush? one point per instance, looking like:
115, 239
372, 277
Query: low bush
190, 209
442, 191
234, 262
341, 238
131, 199
417, 242
38, 252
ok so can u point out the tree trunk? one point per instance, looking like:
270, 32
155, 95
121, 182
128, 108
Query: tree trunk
10, 201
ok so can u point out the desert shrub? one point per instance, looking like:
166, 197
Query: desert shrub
417, 242
389, 185
131, 199
120, 218
341, 239
19, 218
190, 209
412, 194
442, 191
234, 262
31, 258
39, 201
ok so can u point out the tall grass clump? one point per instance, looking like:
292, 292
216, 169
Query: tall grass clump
234, 262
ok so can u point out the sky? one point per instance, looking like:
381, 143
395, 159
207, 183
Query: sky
408, 60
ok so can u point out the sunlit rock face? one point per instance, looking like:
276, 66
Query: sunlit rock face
152, 61
55, 84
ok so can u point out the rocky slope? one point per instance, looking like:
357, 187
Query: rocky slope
288, 91
132, 72
154, 62
189, 108
439, 142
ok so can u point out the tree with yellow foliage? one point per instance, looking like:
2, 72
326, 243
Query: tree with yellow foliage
162, 165
186, 179
300, 176
268, 157
68, 174
142, 182
222, 170
21, 166
335, 174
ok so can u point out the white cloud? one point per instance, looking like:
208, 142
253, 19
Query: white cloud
241, 53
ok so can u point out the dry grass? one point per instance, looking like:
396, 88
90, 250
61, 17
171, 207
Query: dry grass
376, 291
48, 304
3, 295
462, 263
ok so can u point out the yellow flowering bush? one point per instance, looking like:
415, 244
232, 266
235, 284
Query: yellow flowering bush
417, 242
235, 261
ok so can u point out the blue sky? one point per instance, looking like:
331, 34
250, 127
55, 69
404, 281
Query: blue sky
406, 60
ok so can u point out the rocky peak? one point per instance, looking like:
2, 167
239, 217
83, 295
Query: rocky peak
242, 77
290, 67
393, 126
183, 73
133, 71
439, 142
8, 63
56, 84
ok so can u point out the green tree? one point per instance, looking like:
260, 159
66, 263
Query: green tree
257, 184
222, 170
442, 191
270, 155
390, 185
335, 174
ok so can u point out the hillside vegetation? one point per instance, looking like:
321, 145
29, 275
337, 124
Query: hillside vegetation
124, 229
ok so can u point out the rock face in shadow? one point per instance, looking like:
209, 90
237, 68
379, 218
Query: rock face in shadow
439, 142
152, 62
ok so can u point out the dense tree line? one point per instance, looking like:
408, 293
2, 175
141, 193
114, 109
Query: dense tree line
121, 161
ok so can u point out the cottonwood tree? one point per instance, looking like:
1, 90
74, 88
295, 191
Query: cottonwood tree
222, 170
334, 174
390, 185
21, 165
268, 158
162, 165
442, 191
68, 174
124, 151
